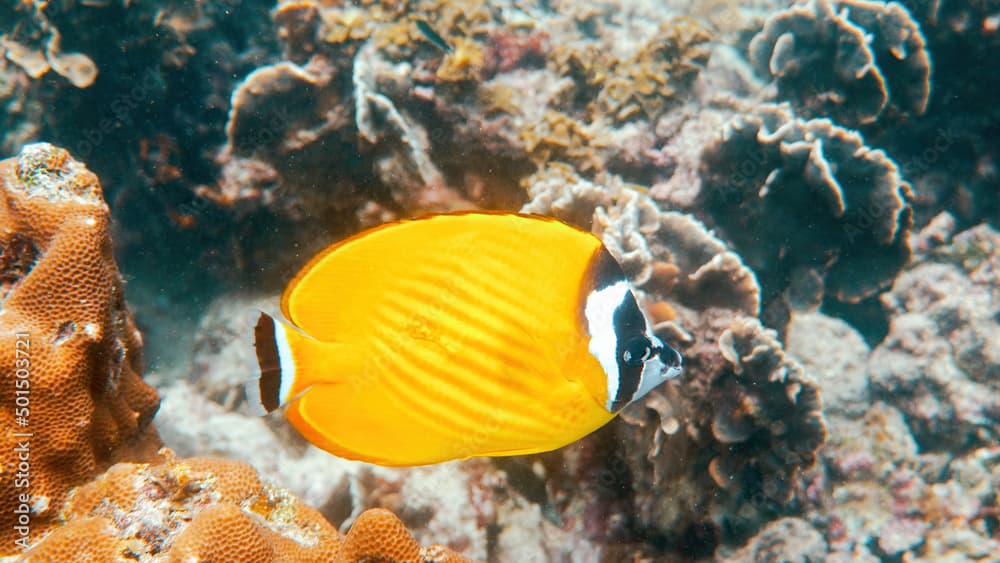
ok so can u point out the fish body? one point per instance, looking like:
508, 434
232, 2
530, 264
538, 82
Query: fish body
458, 335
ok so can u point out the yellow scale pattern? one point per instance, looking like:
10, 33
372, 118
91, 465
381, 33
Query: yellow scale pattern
470, 334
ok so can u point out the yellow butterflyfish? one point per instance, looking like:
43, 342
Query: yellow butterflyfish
458, 335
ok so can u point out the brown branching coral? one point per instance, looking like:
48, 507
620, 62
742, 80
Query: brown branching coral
71, 393
728, 438
391, 27
466, 63
854, 60
807, 201
557, 136
204, 509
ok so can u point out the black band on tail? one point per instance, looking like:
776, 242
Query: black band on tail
270, 366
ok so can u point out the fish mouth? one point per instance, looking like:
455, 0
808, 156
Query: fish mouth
673, 362
665, 364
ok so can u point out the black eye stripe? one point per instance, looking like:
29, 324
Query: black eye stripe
629, 325
605, 270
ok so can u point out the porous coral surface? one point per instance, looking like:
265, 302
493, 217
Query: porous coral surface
203, 509
72, 401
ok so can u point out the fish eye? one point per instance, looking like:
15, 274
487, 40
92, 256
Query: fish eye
637, 350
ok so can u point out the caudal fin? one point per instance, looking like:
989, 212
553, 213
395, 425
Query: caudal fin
277, 367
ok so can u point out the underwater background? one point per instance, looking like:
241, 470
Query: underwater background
804, 195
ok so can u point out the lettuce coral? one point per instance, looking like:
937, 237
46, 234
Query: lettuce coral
35, 45
742, 421
806, 202
853, 60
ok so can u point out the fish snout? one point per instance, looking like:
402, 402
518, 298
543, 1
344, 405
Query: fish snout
673, 362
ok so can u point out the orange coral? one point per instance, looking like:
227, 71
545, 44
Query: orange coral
378, 535
71, 398
215, 510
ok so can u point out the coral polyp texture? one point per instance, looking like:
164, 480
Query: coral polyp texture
203, 509
853, 60
940, 362
657, 76
72, 399
877, 494
814, 211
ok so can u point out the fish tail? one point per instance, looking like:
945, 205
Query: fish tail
276, 381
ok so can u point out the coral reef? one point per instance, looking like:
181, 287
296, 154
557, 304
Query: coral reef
875, 497
730, 438
164, 75
947, 155
439, 128
72, 399
890, 485
420, 112
35, 45
770, 176
786, 539
659, 74
203, 509
773, 248
852, 60
940, 362
836, 355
